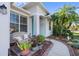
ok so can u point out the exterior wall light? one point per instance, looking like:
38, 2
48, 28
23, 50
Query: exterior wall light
3, 9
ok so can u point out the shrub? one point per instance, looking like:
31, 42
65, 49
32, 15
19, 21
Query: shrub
40, 38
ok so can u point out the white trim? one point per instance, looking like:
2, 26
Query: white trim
18, 12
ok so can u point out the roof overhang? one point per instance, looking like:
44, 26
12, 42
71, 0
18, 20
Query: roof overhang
31, 4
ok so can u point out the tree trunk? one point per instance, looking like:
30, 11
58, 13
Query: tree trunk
69, 25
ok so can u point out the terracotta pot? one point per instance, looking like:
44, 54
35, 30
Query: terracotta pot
25, 52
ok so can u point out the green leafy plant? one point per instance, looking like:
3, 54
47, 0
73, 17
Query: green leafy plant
40, 38
63, 19
24, 45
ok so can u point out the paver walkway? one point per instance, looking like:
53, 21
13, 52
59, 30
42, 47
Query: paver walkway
58, 49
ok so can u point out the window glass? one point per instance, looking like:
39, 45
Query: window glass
14, 18
23, 20
14, 26
23, 28
14, 22
23, 24
49, 25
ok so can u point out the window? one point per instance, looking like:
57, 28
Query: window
18, 24
23, 24
14, 21
49, 25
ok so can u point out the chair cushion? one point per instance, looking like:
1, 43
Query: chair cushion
18, 38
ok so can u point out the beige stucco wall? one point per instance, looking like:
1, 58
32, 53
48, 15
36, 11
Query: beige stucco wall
4, 30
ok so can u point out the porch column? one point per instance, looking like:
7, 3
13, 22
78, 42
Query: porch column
37, 25
19, 23
4, 30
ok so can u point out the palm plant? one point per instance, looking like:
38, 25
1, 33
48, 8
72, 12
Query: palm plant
62, 20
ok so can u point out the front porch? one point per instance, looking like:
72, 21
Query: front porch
40, 25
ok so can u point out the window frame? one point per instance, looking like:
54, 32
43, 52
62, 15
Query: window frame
22, 24
19, 21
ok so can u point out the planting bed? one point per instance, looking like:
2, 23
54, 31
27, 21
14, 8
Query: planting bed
44, 50
46, 46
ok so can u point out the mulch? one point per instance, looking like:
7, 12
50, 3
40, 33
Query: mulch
76, 51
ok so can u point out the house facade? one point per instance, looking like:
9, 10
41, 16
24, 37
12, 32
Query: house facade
32, 18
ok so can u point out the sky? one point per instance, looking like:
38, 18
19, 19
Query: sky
53, 6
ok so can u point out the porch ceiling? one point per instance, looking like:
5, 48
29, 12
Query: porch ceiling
31, 4
20, 10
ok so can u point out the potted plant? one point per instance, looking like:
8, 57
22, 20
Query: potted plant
25, 47
34, 45
37, 42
